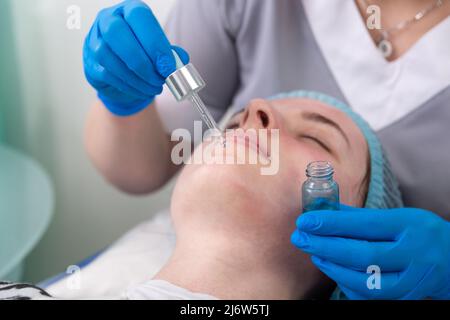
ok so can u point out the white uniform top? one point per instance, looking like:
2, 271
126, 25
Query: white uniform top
247, 49
163, 290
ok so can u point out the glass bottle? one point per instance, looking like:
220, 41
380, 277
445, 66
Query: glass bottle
320, 191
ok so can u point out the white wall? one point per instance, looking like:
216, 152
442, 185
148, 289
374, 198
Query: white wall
49, 127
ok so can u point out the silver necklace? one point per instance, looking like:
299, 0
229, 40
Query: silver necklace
384, 44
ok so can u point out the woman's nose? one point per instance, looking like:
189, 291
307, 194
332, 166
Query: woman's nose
259, 114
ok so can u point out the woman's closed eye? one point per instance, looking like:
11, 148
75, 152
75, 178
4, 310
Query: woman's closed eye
316, 140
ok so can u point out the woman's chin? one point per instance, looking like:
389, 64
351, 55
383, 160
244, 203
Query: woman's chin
216, 185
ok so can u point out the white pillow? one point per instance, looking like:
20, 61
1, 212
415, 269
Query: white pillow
133, 259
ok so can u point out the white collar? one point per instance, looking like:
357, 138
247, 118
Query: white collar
381, 91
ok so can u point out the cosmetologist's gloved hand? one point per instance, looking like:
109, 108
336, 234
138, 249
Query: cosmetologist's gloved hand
410, 246
127, 57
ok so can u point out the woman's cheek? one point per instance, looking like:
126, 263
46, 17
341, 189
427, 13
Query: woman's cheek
347, 189
300, 154
291, 177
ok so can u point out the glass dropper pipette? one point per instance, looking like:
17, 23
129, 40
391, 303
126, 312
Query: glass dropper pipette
185, 83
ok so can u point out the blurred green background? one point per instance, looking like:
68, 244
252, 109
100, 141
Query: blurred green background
9, 82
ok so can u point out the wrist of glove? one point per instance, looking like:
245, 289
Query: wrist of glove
124, 109
444, 292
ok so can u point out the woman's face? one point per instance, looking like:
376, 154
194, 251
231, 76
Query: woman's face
237, 200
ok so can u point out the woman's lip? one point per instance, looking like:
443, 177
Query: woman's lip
248, 142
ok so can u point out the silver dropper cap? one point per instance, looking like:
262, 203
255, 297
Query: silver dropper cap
185, 81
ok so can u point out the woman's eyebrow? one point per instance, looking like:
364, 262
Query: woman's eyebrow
316, 117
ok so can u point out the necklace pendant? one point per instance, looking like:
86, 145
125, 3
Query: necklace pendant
385, 46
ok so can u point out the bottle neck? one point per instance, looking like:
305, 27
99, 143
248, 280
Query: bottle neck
325, 178
320, 170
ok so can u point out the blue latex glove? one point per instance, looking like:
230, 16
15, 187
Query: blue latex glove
410, 246
127, 57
